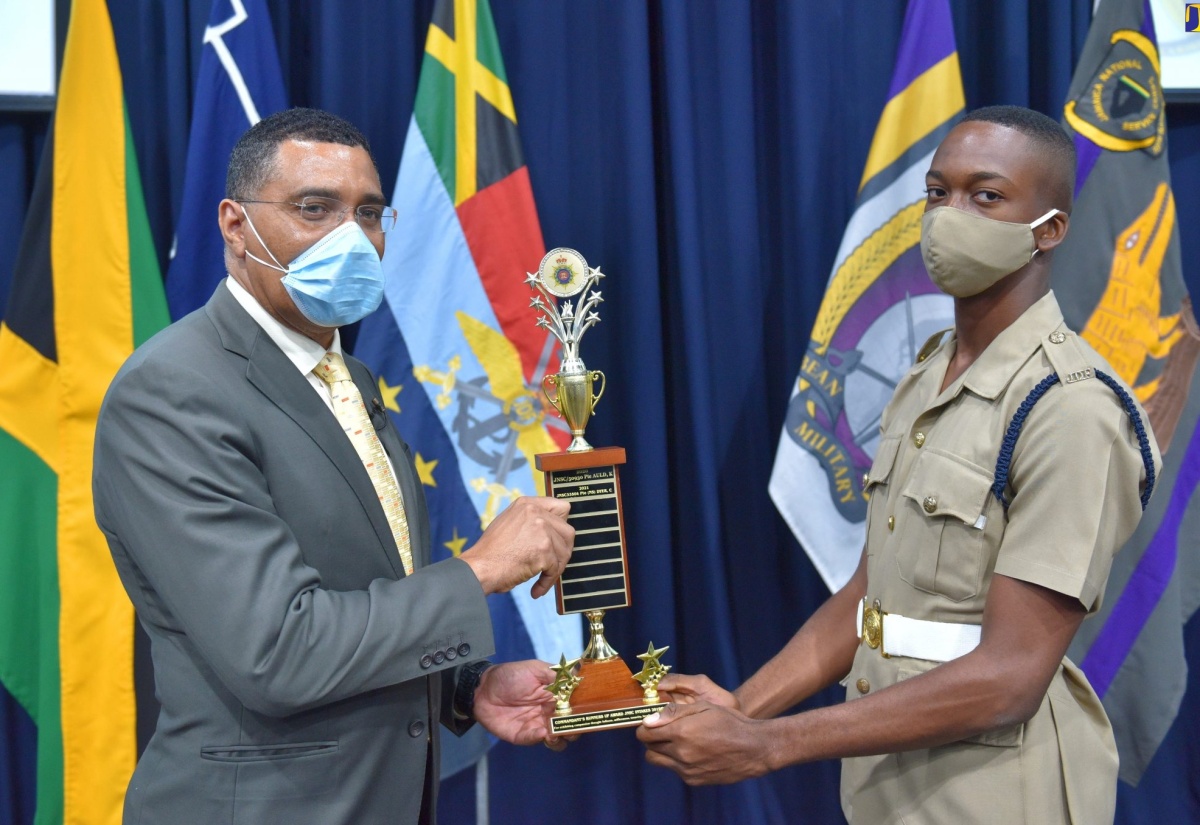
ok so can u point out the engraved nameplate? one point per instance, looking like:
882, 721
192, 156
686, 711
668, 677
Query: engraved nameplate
596, 577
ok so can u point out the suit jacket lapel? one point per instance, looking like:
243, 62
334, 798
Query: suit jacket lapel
270, 371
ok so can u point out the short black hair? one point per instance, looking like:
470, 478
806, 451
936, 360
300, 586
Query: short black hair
253, 158
1048, 134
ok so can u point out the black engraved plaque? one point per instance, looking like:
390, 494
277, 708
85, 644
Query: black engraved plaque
596, 578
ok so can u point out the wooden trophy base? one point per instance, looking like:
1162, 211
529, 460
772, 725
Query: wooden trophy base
600, 692
607, 697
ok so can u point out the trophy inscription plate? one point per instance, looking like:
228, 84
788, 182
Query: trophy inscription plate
604, 719
596, 577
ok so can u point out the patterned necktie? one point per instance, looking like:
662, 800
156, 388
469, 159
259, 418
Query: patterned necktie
352, 415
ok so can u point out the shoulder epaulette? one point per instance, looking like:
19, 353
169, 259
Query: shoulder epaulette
1070, 367
1068, 358
933, 342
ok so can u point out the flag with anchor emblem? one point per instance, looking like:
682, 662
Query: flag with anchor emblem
879, 306
455, 345
1120, 280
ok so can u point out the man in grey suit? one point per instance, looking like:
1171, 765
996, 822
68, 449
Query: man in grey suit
301, 670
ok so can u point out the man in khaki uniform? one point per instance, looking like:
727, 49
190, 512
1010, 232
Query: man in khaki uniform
1012, 466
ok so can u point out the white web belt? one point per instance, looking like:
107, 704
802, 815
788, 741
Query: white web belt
897, 635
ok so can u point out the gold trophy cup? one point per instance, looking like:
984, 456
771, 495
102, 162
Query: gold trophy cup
574, 401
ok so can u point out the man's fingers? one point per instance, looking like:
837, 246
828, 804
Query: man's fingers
542, 586
555, 743
661, 760
558, 557
672, 713
562, 545
554, 522
560, 529
548, 503
679, 683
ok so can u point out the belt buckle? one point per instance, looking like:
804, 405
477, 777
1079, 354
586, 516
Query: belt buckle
872, 627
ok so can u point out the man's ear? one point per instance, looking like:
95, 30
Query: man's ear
232, 221
1051, 233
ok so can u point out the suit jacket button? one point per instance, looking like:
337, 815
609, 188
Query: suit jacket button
439, 657
464, 649
451, 653
416, 728
426, 661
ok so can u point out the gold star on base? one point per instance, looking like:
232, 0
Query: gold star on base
562, 670
652, 655
425, 470
389, 395
455, 545
564, 684
652, 670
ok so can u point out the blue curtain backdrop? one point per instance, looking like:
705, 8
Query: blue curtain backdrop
706, 154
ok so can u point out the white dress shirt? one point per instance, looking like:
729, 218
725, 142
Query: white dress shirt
302, 351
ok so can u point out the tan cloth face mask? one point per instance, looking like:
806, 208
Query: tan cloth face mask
965, 253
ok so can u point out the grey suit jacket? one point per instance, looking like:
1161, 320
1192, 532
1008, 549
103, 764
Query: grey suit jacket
301, 673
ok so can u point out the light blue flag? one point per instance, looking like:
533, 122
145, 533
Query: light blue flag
456, 345
240, 81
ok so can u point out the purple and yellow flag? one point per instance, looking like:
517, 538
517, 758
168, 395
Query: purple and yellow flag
1119, 279
879, 307
86, 291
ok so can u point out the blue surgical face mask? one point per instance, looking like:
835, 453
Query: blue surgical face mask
336, 281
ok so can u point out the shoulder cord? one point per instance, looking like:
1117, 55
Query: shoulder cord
1004, 460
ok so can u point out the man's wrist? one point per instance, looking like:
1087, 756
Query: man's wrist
469, 677
479, 566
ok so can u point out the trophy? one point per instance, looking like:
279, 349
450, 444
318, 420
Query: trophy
597, 691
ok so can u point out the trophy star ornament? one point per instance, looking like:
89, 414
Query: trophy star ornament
563, 274
652, 672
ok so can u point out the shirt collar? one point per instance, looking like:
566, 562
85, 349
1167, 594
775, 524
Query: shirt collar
1008, 352
302, 351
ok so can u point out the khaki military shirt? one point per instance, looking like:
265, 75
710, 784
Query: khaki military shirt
936, 535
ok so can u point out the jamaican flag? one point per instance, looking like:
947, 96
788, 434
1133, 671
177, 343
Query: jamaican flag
86, 290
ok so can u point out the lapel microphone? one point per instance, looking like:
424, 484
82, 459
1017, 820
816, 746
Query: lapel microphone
378, 416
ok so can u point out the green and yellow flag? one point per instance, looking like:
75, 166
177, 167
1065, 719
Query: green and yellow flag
86, 291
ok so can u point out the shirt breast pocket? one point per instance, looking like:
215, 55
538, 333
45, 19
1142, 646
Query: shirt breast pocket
881, 466
942, 549
875, 488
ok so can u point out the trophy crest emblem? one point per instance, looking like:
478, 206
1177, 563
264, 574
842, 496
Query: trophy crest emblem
564, 273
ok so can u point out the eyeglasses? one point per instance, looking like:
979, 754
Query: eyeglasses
320, 212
